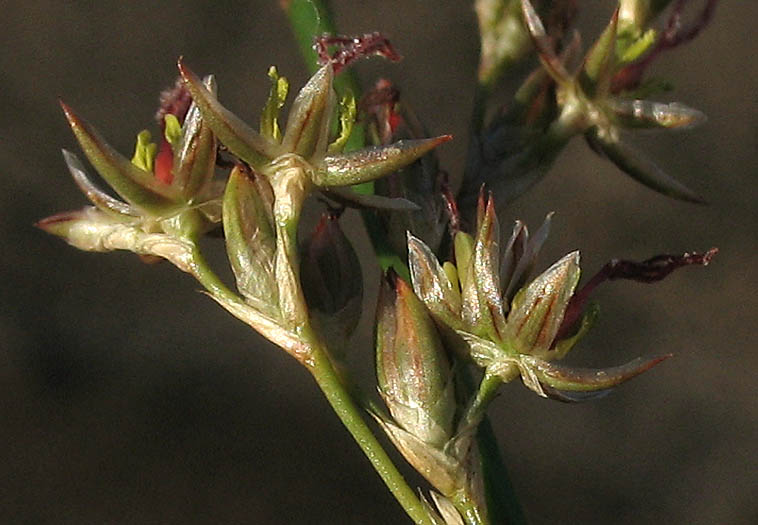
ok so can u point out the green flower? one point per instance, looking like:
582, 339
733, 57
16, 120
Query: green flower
511, 327
165, 189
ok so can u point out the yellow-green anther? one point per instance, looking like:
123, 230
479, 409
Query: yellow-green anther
173, 130
270, 117
464, 248
452, 275
630, 50
144, 151
348, 112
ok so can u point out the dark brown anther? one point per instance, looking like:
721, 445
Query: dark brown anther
352, 48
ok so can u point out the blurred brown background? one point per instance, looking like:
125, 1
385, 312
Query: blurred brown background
128, 397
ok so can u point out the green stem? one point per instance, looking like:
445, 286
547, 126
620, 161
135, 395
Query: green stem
502, 504
339, 398
469, 509
351, 416
307, 19
487, 391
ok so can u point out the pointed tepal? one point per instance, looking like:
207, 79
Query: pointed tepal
241, 139
136, 186
371, 163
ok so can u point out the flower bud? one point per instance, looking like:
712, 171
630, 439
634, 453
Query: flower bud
482, 309
433, 285
330, 274
413, 372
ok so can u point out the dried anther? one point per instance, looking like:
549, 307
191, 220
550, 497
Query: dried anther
352, 48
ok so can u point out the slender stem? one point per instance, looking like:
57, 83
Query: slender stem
351, 416
502, 504
470, 509
486, 393
339, 398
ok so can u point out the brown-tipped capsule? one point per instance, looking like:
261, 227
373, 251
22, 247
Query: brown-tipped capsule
195, 154
413, 372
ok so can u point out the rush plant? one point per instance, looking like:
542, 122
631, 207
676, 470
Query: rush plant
460, 310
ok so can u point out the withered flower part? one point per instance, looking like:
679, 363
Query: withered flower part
648, 271
352, 48
423, 182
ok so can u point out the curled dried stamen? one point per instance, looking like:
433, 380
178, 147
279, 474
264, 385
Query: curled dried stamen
352, 48
647, 271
